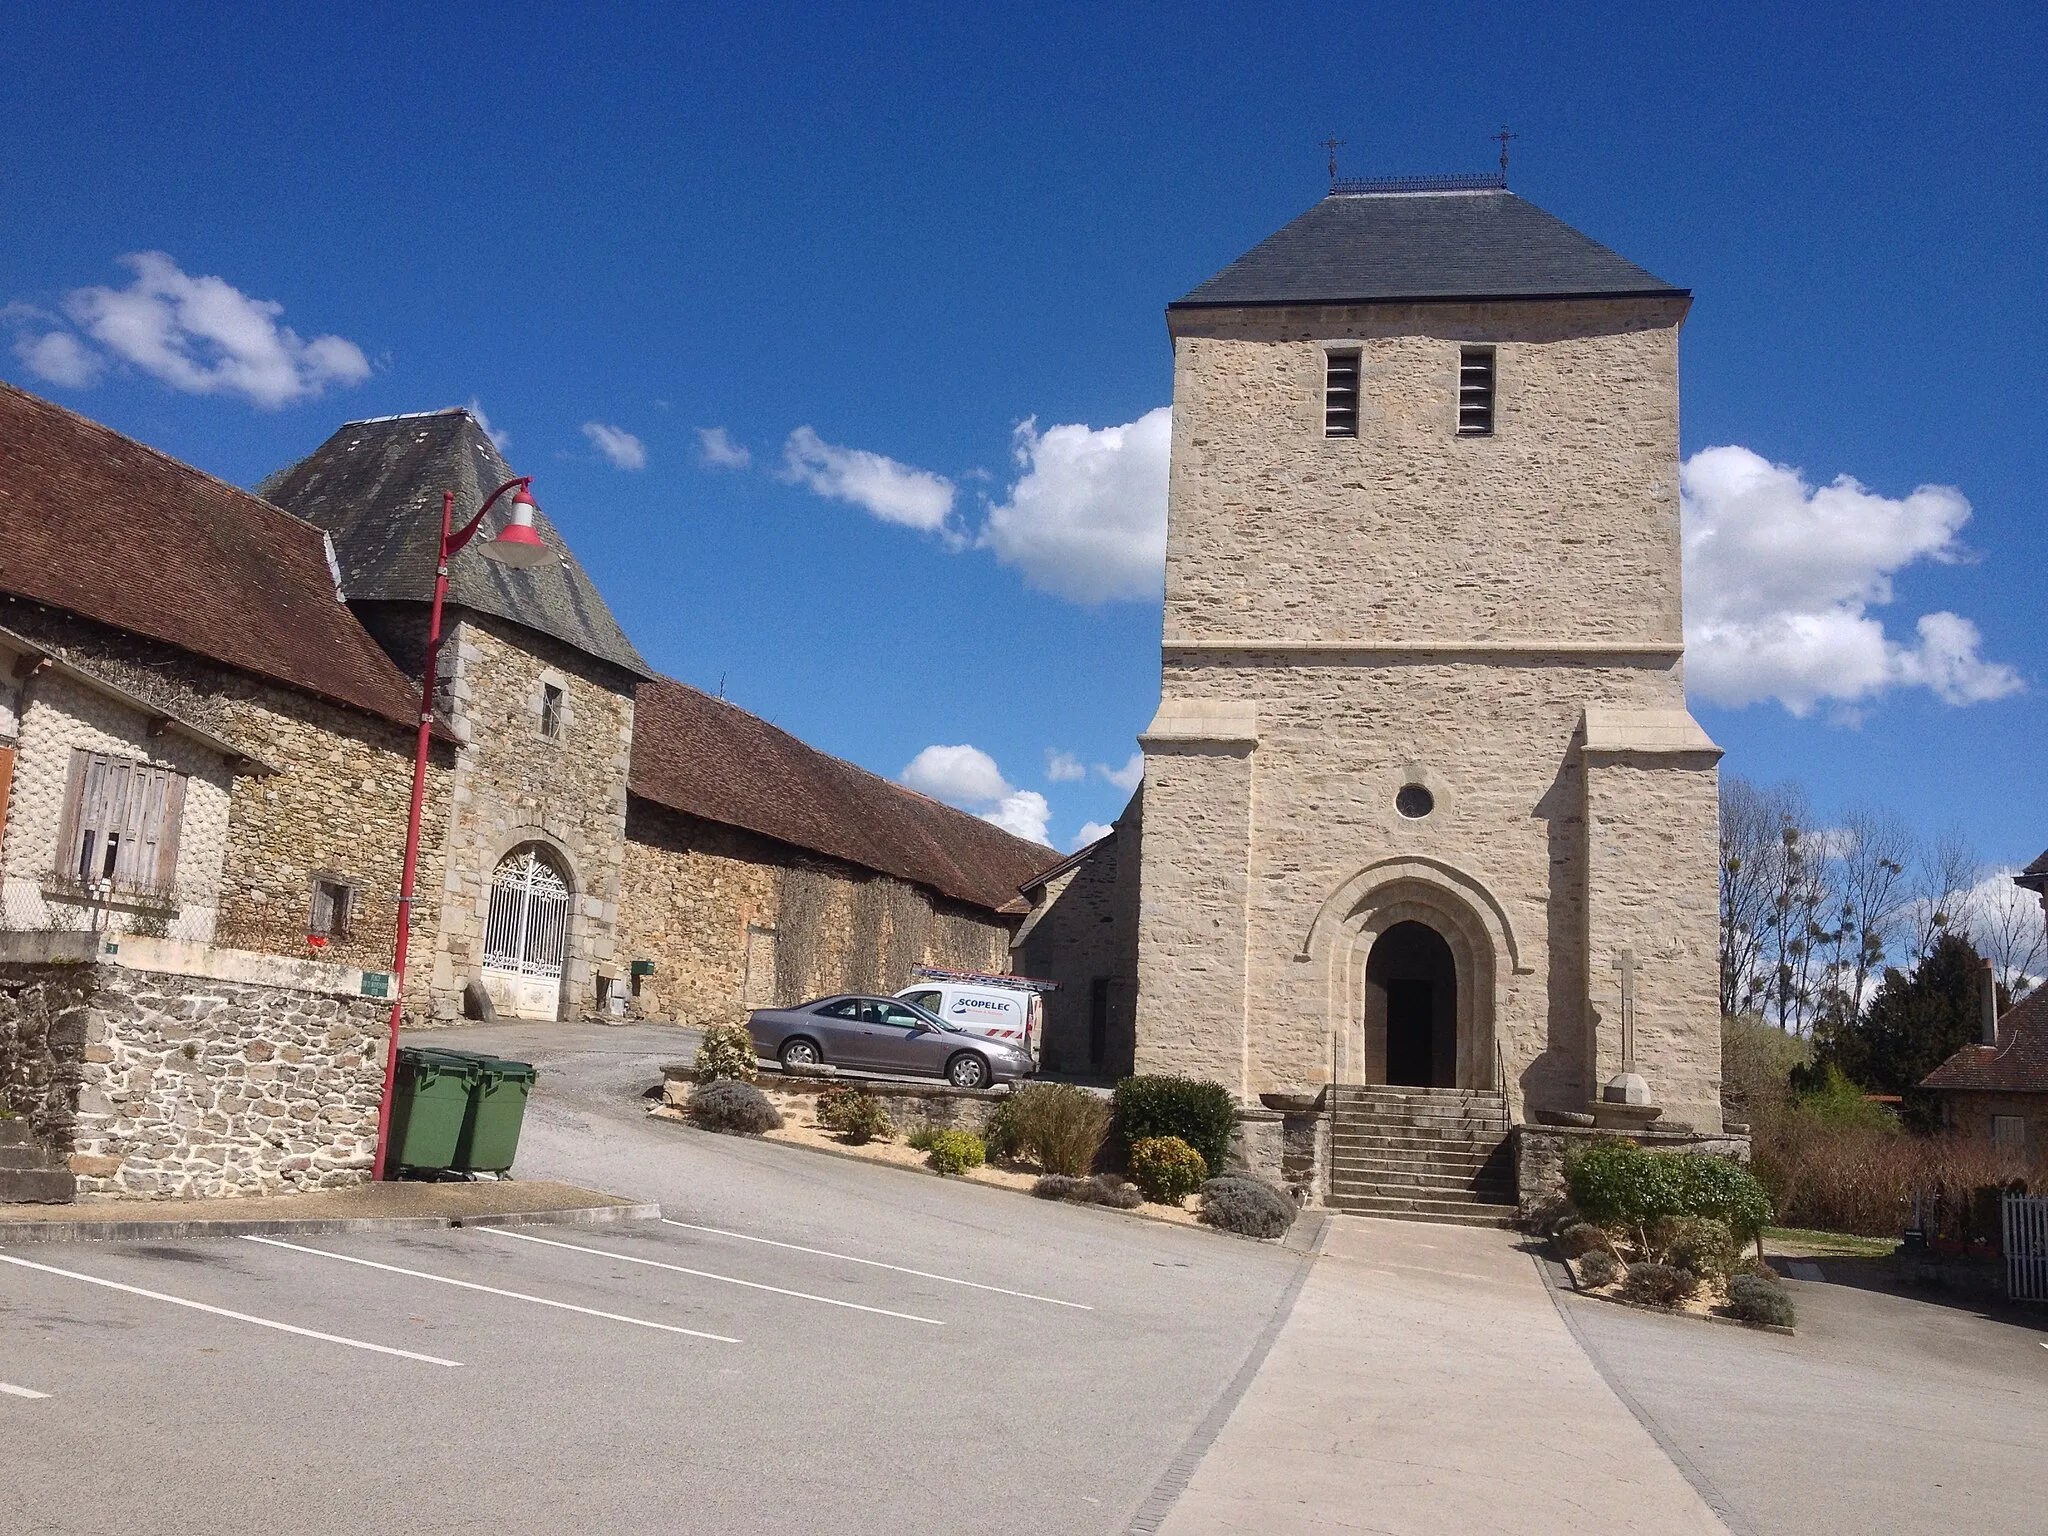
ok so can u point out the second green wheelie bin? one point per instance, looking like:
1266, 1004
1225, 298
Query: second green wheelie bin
430, 1106
490, 1139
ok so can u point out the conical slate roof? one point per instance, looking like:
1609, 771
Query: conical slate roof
1377, 247
376, 486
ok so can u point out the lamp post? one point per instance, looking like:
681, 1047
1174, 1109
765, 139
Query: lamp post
516, 545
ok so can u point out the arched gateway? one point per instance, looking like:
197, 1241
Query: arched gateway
526, 936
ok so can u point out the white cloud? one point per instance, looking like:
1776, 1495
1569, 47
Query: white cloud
716, 448
969, 778
1091, 832
964, 776
1779, 576
893, 492
1063, 767
60, 358
201, 335
1087, 517
1023, 813
499, 440
621, 448
1128, 777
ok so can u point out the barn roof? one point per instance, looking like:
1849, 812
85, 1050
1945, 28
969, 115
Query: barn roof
1437, 243
711, 759
376, 487
100, 525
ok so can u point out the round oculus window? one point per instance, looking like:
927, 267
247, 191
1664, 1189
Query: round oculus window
1414, 802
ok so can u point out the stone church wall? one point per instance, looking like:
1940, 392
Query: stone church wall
732, 920
1081, 936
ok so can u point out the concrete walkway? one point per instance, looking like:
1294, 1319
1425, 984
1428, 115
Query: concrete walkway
1426, 1383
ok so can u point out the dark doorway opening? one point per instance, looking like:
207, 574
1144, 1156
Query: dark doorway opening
1412, 981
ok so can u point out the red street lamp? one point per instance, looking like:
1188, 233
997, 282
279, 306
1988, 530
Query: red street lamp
516, 545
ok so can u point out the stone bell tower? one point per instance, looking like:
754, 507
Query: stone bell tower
1423, 803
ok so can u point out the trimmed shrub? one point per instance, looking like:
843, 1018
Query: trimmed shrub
952, 1151
1058, 1126
1755, 1268
1250, 1207
1167, 1169
1660, 1285
726, 1054
999, 1135
1617, 1184
1756, 1300
1200, 1114
855, 1114
1702, 1244
1598, 1266
1103, 1189
1581, 1238
725, 1104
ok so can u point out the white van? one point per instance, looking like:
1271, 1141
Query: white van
983, 1007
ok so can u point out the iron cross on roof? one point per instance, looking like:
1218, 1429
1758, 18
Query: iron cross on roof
1333, 144
1504, 135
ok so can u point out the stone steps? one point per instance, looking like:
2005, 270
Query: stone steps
1420, 1154
28, 1175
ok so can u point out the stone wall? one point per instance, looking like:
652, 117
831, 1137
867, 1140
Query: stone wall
910, 1105
1970, 1114
1081, 933
226, 1074
1541, 1152
732, 920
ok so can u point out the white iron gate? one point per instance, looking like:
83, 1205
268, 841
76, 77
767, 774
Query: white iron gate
526, 936
2026, 1247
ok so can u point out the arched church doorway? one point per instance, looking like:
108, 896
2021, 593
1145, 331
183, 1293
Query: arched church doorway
526, 934
1412, 993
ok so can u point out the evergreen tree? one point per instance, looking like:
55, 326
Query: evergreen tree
1913, 1024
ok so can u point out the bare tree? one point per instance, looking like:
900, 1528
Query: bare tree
1749, 854
1943, 876
2005, 923
1796, 940
1876, 851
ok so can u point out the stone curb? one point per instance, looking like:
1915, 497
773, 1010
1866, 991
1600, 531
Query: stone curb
1577, 1289
12, 1232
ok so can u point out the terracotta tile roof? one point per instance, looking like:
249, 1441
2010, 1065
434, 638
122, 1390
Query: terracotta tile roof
100, 525
708, 758
2017, 1064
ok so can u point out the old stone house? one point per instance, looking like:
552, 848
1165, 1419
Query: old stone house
1996, 1091
208, 702
1423, 805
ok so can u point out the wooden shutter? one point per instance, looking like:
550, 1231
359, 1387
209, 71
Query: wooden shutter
142, 808
170, 822
6, 780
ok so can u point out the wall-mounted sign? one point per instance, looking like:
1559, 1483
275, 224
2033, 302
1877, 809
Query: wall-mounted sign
376, 984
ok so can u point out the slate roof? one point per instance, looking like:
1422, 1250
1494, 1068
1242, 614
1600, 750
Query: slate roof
376, 487
1359, 248
2017, 1064
2035, 876
99, 525
711, 759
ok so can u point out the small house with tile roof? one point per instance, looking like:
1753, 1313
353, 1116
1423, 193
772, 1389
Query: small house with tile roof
1996, 1090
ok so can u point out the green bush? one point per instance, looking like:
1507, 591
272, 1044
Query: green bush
855, 1114
1755, 1268
1660, 1285
1198, 1113
1057, 1125
1582, 1238
953, 1151
1167, 1169
1598, 1266
1248, 1206
725, 1105
1756, 1300
922, 1138
1103, 1189
1617, 1184
726, 1054
999, 1135
1702, 1244
1829, 1098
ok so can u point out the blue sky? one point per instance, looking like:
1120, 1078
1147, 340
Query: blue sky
910, 230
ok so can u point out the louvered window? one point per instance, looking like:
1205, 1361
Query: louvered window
121, 822
1475, 392
1340, 395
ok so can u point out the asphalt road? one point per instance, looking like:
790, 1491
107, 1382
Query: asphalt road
683, 1380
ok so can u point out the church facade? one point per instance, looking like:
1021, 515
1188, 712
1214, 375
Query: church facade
1423, 804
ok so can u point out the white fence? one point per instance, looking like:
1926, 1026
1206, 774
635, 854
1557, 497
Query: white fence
2026, 1247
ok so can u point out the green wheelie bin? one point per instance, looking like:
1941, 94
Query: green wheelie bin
430, 1106
490, 1139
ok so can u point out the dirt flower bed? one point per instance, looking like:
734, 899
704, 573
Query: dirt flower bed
800, 1128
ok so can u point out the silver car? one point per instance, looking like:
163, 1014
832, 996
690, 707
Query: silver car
883, 1034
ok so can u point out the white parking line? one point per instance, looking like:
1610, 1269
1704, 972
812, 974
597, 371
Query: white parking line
704, 1274
240, 1317
489, 1290
823, 1253
13, 1391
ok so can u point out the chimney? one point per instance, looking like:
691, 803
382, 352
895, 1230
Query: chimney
1989, 992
